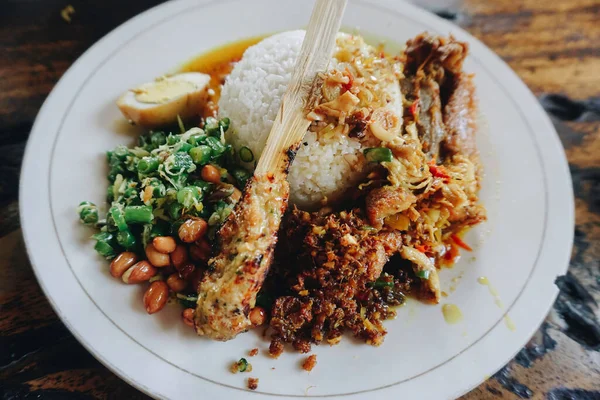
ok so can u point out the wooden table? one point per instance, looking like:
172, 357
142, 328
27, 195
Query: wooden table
553, 45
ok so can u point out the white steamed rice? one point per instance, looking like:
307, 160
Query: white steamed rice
324, 167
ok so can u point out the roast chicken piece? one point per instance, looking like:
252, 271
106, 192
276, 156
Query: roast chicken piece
460, 118
433, 65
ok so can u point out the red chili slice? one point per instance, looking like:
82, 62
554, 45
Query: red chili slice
460, 242
423, 248
438, 171
414, 108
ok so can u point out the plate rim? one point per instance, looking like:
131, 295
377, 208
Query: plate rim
412, 13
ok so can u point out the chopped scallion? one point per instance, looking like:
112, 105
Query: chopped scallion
246, 154
380, 284
378, 154
424, 274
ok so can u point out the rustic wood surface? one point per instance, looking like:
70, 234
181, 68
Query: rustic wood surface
553, 45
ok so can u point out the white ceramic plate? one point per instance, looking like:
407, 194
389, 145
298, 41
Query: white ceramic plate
523, 247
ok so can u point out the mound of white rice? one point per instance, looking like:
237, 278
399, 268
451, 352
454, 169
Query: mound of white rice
324, 166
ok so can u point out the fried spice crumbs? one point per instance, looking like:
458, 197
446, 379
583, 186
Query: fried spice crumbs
253, 352
252, 383
330, 282
275, 348
309, 363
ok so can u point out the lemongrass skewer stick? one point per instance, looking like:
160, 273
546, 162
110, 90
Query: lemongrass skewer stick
291, 123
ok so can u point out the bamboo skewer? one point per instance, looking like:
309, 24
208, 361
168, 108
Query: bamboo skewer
291, 124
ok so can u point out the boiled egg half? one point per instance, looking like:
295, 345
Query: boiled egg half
158, 103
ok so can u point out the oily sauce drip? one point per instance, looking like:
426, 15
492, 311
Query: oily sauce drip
218, 63
482, 280
509, 323
452, 313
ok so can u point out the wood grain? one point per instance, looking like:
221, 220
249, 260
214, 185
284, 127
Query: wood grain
554, 46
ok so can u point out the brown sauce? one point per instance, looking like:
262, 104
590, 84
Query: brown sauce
218, 63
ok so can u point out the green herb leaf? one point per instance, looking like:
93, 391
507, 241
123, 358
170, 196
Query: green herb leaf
380, 284
378, 154
424, 274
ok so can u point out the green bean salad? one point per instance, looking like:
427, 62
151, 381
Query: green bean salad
176, 186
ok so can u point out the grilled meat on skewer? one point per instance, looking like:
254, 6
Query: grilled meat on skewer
247, 241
